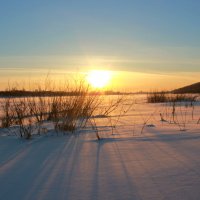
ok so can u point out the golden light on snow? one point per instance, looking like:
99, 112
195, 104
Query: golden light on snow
99, 78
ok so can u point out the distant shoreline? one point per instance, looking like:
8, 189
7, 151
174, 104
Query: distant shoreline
191, 89
22, 93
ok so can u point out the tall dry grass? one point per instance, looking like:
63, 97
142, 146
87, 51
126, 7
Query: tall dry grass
67, 113
163, 97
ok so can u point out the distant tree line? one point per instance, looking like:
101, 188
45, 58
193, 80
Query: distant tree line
37, 93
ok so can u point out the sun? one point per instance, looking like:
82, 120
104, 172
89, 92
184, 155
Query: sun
98, 78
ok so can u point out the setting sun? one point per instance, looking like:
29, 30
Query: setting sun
98, 79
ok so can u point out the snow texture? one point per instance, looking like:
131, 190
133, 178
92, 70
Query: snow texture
163, 162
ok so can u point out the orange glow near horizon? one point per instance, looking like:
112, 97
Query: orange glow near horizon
124, 81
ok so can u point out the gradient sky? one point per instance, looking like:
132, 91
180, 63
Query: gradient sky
154, 40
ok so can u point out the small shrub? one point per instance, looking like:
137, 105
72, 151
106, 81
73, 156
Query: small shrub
7, 113
23, 118
183, 98
162, 97
157, 97
68, 113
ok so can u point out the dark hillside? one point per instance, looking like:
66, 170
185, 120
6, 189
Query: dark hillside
194, 88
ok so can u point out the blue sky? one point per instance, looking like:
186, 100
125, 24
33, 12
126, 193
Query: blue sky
151, 36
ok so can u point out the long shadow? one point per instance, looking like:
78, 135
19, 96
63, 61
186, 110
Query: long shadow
96, 174
58, 180
156, 142
115, 183
35, 169
179, 151
51, 168
141, 138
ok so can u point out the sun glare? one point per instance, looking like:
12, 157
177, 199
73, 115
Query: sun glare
98, 79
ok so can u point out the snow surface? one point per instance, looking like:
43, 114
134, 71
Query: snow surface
162, 162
